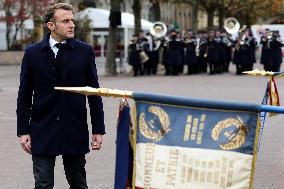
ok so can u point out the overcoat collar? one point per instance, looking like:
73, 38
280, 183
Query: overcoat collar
44, 44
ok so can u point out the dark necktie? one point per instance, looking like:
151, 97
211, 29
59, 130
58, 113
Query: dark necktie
59, 52
59, 61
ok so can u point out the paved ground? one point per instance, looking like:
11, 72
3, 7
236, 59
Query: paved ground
16, 166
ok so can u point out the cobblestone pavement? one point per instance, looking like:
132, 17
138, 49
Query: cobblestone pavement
16, 166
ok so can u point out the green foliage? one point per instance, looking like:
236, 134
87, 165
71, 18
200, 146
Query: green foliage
246, 11
86, 4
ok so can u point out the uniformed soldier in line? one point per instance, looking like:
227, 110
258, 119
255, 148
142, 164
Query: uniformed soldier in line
197, 52
248, 40
276, 52
175, 54
145, 47
252, 45
149, 50
229, 51
190, 45
222, 51
165, 54
133, 56
212, 52
157, 45
179, 38
265, 50
242, 54
201, 52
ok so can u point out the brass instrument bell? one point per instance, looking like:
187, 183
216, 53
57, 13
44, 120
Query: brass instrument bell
158, 30
231, 25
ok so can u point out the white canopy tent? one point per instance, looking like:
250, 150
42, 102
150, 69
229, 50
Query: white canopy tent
100, 19
100, 24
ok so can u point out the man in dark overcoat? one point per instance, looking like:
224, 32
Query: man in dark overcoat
51, 122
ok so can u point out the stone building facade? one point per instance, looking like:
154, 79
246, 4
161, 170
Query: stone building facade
171, 14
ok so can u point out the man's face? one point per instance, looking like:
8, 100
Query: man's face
217, 33
211, 34
62, 26
141, 35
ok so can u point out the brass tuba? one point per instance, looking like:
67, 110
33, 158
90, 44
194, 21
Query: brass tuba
232, 25
158, 30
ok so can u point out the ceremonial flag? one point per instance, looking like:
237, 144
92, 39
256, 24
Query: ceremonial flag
183, 143
188, 143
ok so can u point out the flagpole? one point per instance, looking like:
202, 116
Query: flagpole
273, 109
98, 91
129, 94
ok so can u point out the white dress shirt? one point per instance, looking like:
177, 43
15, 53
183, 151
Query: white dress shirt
52, 43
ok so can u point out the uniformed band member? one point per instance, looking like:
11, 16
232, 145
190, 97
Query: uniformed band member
134, 57
174, 55
201, 54
156, 55
271, 54
242, 54
212, 52
190, 45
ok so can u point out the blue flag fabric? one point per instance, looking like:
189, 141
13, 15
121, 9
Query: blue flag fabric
123, 165
192, 143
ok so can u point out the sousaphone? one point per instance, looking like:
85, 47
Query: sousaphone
158, 30
232, 25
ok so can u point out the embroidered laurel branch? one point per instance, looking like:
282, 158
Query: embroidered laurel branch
147, 131
236, 139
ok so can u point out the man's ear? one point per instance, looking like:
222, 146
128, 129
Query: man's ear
50, 26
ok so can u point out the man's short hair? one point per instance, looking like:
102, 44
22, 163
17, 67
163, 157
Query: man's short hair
51, 10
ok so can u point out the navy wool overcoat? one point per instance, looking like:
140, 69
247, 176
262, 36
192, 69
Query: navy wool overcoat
56, 120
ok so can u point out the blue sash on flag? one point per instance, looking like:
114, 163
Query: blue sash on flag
262, 115
124, 157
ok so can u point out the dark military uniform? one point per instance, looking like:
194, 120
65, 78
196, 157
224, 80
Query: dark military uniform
134, 58
175, 56
201, 56
222, 47
252, 46
190, 56
165, 52
212, 55
276, 55
144, 46
228, 55
242, 57
156, 55
265, 53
